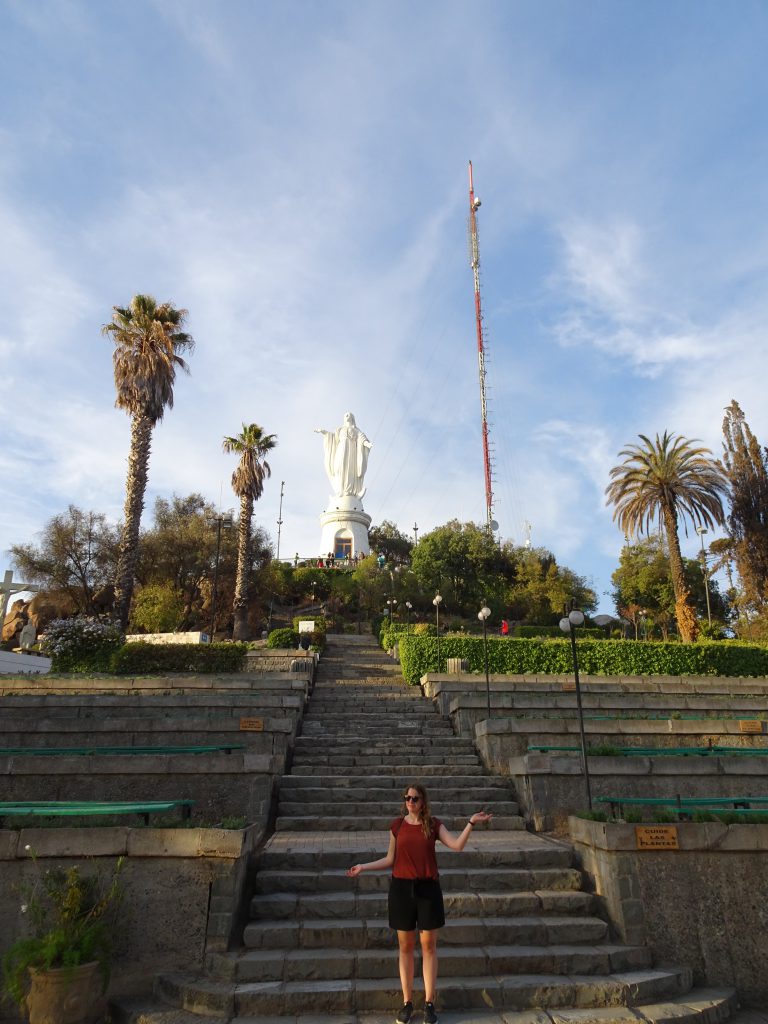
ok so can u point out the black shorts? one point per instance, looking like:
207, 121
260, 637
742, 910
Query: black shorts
415, 903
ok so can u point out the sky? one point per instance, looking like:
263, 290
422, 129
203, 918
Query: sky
295, 175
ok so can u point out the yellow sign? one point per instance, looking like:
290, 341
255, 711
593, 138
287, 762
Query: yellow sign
656, 837
252, 725
751, 725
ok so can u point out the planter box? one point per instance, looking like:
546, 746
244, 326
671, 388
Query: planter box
701, 904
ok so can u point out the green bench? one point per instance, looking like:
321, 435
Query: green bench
87, 808
659, 751
685, 806
224, 748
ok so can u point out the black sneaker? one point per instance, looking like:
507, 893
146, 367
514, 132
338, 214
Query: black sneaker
405, 1014
430, 1017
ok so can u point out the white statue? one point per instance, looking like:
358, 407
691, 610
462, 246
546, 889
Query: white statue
346, 457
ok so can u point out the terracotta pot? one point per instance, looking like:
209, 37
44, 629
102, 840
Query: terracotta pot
66, 995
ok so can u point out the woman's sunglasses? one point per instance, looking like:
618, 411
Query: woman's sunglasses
412, 799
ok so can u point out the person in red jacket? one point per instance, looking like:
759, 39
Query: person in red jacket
415, 897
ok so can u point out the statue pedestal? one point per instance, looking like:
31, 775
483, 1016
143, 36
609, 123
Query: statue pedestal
344, 527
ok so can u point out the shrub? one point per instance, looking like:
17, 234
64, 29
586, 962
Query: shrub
157, 608
553, 631
82, 645
418, 655
283, 637
140, 659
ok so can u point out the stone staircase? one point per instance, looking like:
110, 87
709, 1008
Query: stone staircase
522, 943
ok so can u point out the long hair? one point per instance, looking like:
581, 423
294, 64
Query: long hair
425, 814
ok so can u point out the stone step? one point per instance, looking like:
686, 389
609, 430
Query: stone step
697, 1006
541, 881
458, 810
303, 787
508, 992
404, 757
283, 905
360, 823
374, 933
402, 771
326, 965
296, 853
360, 724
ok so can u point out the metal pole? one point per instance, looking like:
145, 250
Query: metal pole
437, 620
279, 527
487, 680
704, 571
215, 577
584, 765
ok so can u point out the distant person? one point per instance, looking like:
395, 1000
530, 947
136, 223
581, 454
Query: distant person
504, 627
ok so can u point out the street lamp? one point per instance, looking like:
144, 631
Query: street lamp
483, 614
701, 531
568, 625
408, 606
436, 602
392, 609
220, 522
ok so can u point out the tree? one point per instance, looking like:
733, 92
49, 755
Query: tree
642, 586
180, 549
670, 478
464, 562
252, 445
746, 466
148, 341
76, 556
387, 540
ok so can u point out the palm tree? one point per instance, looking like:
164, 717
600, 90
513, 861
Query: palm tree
673, 478
148, 339
252, 445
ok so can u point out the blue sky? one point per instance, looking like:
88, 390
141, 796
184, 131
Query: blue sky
295, 175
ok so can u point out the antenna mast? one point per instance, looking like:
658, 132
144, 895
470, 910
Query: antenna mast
474, 260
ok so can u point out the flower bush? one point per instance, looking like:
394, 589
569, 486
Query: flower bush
82, 644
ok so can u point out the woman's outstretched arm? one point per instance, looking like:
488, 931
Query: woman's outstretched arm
375, 865
458, 842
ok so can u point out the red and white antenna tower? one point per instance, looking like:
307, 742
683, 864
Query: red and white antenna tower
474, 259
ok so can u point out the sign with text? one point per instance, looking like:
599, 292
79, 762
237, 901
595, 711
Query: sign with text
656, 837
751, 725
569, 687
307, 626
252, 725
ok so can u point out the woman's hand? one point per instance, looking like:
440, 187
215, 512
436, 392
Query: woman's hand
480, 818
354, 871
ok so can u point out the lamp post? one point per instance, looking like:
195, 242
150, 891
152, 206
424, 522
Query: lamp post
392, 603
436, 602
701, 531
408, 607
568, 625
221, 522
483, 614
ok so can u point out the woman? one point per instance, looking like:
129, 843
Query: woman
415, 897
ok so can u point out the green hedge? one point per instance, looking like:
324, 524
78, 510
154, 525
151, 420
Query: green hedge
390, 633
553, 631
140, 659
596, 657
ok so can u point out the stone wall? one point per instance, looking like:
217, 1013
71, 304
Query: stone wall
183, 890
550, 787
702, 905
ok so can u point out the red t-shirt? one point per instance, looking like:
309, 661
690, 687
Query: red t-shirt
414, 852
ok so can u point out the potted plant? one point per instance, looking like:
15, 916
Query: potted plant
59, 971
